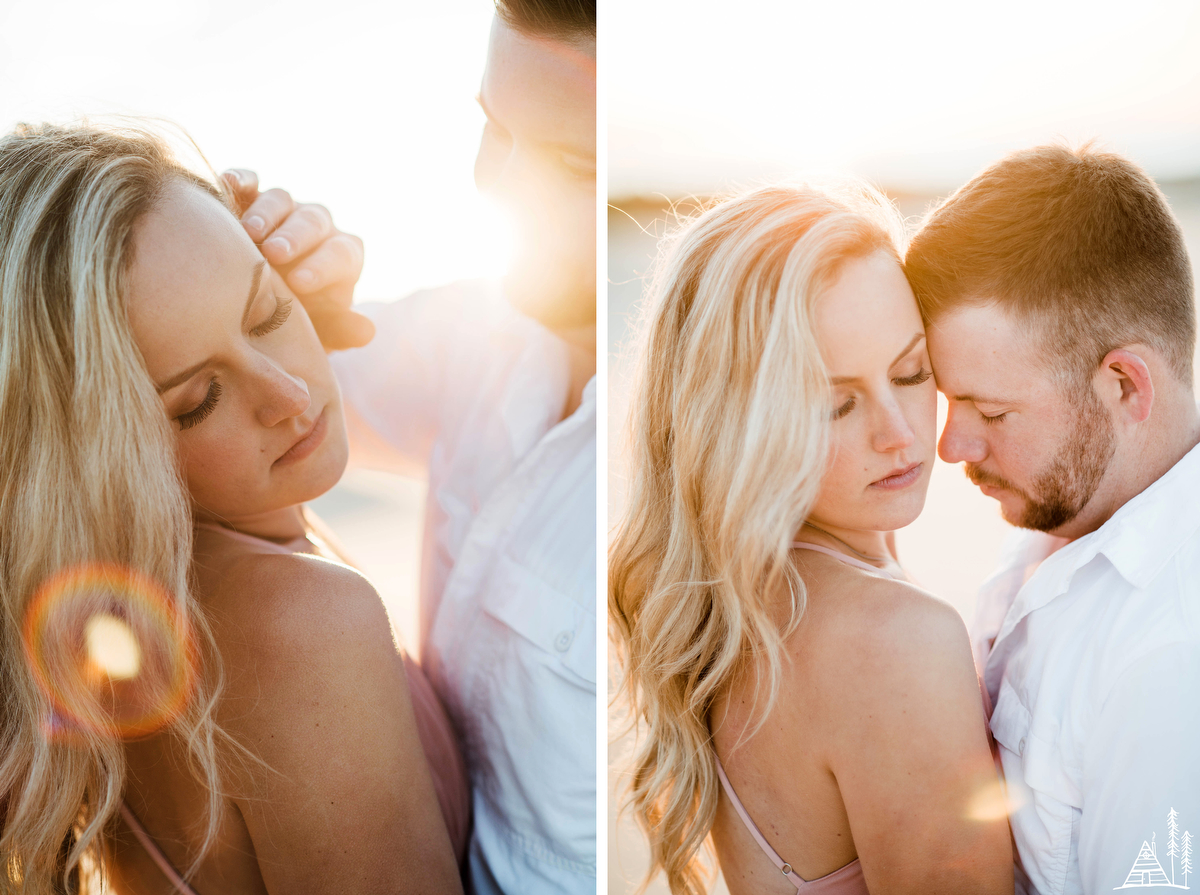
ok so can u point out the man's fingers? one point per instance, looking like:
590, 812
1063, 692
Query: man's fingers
244, 185
304, 230
267, 212
338, 261
320, 264
339, 329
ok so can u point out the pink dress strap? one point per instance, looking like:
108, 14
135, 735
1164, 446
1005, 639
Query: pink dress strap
784, 867
842, 557
298, 545
847, 880
155, 853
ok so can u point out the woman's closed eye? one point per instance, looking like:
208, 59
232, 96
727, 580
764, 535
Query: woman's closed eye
922, 375
283, 310
203, 409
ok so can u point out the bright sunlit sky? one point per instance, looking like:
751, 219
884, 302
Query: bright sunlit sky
366, 106
915, 95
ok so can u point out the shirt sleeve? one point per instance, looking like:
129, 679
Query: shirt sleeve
1141, 775
403, 388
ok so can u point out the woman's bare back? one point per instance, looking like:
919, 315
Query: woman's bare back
877, 681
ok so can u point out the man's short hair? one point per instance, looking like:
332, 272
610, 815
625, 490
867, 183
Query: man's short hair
1078, 245
569, 20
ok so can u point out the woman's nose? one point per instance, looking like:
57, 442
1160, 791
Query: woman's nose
894, 432
282, 395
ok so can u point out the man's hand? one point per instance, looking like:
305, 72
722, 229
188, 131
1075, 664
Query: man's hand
320, 264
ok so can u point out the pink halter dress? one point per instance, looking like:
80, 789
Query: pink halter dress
437, 737
846, 880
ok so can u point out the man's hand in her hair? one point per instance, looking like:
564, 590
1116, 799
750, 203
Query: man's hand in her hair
319, 263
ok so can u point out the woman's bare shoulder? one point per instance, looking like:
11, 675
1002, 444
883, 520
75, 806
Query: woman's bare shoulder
316, 690
860, 607
282, 606
879, 632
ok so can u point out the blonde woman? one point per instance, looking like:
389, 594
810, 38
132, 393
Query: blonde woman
165, 409
798, 699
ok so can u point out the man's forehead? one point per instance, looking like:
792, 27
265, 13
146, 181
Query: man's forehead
981, 353
544, 85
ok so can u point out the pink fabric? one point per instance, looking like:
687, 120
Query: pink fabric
445, 759
438, 741
847, 880
155, 852
849, 560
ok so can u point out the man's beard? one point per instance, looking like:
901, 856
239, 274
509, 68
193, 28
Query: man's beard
1061, 491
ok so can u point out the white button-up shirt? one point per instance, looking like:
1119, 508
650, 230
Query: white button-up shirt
1095, 678
458, 383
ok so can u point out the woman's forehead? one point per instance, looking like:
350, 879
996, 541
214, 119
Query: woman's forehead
192, 265
866, 317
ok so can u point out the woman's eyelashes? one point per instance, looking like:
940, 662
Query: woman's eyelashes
922, 375
192, 417
283, 309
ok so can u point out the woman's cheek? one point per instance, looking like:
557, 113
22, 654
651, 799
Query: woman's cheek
215, 464
841, 467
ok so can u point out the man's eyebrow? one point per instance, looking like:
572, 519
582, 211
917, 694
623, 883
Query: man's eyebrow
255, 282
841, 380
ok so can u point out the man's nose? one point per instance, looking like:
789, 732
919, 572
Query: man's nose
959, 442
489, 162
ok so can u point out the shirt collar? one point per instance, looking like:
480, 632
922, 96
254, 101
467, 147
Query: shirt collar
1151, 527
1138, 539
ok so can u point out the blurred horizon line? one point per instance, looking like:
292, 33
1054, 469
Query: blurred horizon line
658, 199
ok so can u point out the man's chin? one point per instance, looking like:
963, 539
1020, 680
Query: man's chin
1012, 506
561, 306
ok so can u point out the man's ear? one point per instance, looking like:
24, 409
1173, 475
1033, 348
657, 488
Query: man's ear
1125, 376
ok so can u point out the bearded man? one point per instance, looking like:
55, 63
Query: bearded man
1058, 299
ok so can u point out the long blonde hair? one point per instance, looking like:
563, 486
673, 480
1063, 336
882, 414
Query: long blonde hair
88, 478
729, 429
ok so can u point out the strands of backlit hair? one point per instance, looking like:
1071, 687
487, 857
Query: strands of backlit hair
88, 475
728, 434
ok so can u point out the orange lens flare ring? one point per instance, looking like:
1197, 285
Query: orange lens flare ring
111, 650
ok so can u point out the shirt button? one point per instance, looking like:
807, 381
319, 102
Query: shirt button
563, 640
1021, 746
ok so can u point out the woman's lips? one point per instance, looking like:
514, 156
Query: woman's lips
308, 443
901, 479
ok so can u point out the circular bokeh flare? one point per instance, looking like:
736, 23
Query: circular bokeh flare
111, 650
